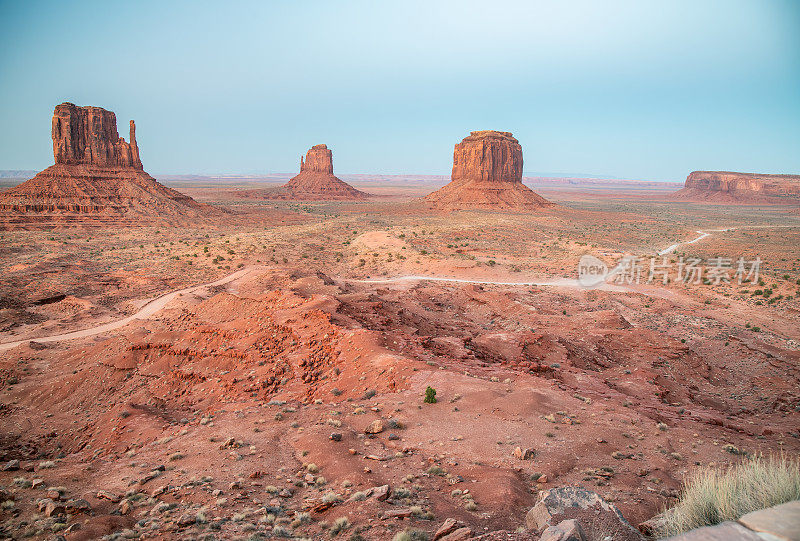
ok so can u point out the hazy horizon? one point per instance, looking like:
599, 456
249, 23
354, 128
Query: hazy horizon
623, 90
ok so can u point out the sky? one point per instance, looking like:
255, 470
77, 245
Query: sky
626, 89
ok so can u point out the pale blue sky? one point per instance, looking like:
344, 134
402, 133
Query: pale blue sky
632, 89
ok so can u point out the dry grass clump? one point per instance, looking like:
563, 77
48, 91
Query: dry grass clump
714, 495
411, 535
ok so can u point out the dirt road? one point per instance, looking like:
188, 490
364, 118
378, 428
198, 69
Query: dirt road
144, 312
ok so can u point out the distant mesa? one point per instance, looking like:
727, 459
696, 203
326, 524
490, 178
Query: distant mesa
97, 175
487, 174
316, 180
725, 186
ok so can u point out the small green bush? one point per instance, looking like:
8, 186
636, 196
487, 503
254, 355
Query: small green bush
430, 395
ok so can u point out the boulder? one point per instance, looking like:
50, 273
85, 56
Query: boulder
78, 505
458, 535
598, 517
566, 530
448, 526
781, 521
523, 454
52, 508
375, 427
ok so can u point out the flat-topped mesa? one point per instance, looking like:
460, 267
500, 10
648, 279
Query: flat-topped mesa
487, 174
88, 136
319, 159
488, 156
744, 183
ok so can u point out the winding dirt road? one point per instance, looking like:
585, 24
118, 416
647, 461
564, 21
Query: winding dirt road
559, 282
158, 303
703, 234
144, 312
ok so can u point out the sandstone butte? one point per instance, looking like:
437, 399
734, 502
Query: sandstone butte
731, 186
97, 176
317, 181
487, 174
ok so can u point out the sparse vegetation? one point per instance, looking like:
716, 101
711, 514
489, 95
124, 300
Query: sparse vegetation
713, 495
339, 525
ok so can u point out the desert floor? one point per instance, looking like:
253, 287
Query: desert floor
244, 403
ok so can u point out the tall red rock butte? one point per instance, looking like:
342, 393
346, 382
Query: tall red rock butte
97, 176
487, 174
746, 187
317, 181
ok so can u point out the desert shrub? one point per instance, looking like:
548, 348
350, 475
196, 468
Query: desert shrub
714, 495
436, 470
339, 525
411, 535
430, 395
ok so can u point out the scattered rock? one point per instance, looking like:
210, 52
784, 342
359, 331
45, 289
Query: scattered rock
11, 465
448, 526
566, 530
375, 427
149, 477
458, 535
381, 493
52, 508
104, 495
587, 507
524, 454
77, 506
336, 436
396, 513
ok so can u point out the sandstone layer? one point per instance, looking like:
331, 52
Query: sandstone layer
487, 173
747, 187
317, 181
97, 176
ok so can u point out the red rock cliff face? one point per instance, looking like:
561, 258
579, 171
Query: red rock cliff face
319, 159
487, 174
316, 180
743, 184
488, 156
97, 177
88, 136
